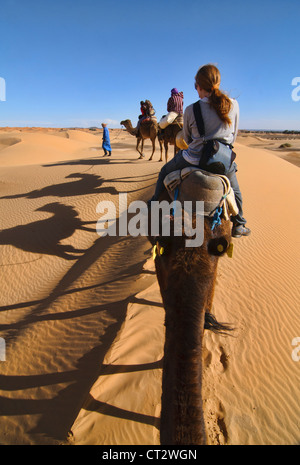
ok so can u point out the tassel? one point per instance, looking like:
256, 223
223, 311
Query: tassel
216, 218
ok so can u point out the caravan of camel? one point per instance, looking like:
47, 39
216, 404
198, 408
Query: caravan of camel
149, 128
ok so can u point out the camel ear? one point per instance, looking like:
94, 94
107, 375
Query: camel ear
218, 246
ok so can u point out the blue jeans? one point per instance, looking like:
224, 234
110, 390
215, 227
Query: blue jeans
238, 219
178, 163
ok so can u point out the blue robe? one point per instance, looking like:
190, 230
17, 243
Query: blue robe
106, 140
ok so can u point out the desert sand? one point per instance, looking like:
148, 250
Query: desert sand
81, 315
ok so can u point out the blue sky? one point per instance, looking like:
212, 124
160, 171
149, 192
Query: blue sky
81, 62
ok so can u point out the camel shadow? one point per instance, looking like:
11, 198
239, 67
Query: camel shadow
94, 405
129, 272
86, 184
58, 414
70, 387
45, 236
104, 408
92, 161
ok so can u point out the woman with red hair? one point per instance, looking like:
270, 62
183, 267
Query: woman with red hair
220, 116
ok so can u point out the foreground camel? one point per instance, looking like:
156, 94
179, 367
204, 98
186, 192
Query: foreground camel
168, 136
186, 277
147, 130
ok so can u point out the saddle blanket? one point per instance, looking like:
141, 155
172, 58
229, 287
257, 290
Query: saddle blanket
195, 184
149, 119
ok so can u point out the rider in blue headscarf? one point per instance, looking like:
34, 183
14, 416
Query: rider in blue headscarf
106, 141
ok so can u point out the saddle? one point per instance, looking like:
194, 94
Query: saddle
178, 120
195, 184
148, 120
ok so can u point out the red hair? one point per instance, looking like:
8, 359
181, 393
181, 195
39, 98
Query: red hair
208, 78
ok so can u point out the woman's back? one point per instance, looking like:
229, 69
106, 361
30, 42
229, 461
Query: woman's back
215, 128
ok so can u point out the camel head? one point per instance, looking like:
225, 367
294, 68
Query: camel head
126, 123
179, 266
186, 277
59, 209
192, 264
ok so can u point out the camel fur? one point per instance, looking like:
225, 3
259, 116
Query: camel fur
147, 130
168, 136
186, 277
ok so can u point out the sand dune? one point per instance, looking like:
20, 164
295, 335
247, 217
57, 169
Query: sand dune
8, 141
82, 317
284, 146
28, 148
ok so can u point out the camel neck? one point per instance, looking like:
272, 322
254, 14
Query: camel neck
182, 414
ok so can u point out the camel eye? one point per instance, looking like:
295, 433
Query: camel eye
218, 246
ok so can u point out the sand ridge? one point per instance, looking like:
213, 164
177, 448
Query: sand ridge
82, 316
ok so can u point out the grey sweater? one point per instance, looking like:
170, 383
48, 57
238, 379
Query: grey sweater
214, 128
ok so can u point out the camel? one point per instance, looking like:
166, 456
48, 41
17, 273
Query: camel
147, 130
168, 136
186, 277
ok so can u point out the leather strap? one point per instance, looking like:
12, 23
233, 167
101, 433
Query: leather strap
199, 118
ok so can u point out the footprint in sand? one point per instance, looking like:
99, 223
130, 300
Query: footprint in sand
207, 357
220, 421
223, 358
218, 358
215, 422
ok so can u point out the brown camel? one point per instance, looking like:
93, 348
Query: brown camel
186, 277
147, 130
168, 136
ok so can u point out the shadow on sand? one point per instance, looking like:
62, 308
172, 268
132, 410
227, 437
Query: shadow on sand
45, 236
55, 415
86, 184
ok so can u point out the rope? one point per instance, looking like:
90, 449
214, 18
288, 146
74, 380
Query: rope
216, 221
117, 135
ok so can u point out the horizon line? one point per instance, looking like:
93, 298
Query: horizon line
98, 127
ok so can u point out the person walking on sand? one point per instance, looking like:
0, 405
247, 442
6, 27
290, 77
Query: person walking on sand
220, 116
174, 108
106, 141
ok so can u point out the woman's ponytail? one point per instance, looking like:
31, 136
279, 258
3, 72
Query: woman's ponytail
208, 78
222, 104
